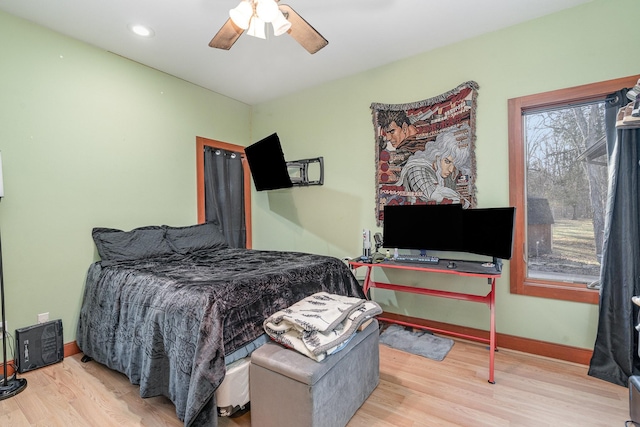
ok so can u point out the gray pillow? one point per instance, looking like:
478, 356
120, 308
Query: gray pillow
195, 237
140, 243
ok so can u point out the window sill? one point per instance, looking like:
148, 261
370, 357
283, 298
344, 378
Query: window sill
565, 292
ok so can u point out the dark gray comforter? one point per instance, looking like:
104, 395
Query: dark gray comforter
168, 322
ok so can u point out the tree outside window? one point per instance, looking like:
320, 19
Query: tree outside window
566, 192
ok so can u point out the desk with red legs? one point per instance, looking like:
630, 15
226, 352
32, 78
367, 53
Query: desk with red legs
462, 268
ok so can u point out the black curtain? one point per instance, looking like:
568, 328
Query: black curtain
224, 194
615, 354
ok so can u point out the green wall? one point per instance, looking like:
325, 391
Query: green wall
90, 139
566, 49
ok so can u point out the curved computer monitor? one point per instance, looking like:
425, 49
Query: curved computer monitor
423, 227
487, 231
267, 164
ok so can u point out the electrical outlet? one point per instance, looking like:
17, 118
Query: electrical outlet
43, 317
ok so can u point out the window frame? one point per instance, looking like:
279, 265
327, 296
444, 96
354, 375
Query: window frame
520, 283
205, 142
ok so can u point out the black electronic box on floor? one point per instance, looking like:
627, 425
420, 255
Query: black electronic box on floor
39, 345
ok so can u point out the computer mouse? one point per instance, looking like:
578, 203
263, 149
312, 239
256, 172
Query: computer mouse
451, 264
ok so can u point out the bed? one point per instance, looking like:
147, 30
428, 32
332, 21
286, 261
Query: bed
165, 305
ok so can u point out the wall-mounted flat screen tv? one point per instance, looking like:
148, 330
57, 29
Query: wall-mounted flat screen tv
487, 231
267, 164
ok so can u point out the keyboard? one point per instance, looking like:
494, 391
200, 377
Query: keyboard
418, 259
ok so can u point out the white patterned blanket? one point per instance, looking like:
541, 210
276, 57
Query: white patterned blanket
320, 324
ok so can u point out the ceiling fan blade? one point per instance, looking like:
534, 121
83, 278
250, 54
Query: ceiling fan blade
226, 36
302, 31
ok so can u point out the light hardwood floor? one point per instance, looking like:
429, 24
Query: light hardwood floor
413, 391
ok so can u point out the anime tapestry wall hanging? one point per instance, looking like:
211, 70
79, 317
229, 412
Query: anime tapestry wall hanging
425, 150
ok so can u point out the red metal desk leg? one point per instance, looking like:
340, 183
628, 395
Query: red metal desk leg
367, 282
492, 330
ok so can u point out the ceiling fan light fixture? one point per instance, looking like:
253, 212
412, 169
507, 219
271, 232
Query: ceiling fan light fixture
241, 14
256, 28
267, 10
245, 18
280, 24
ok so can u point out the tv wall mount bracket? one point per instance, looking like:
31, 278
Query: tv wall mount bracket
300, 169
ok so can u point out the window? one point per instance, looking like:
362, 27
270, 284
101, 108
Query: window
557, 182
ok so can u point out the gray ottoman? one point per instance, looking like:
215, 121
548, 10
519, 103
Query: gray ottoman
289, 389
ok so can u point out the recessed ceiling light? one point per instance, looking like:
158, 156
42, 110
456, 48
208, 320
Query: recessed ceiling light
141, 30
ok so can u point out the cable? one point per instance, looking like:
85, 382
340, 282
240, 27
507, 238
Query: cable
13, 364
594, 285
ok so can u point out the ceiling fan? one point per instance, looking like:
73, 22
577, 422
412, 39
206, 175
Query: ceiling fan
251, 15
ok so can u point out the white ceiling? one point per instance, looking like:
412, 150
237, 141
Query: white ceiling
362, 34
